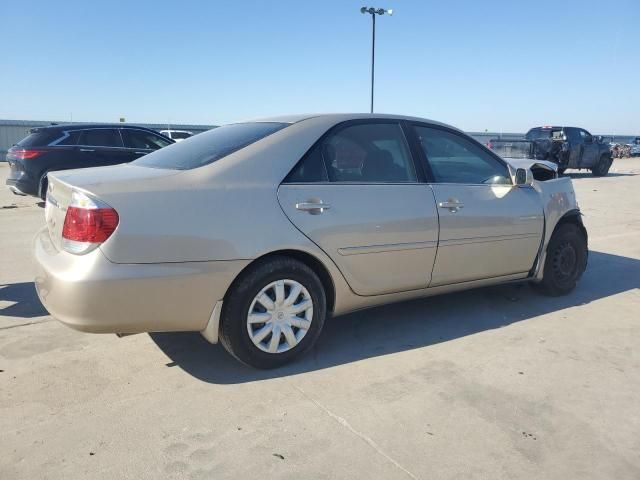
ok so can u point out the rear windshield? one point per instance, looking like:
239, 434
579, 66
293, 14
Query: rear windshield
543, 133
40, 138
210, 146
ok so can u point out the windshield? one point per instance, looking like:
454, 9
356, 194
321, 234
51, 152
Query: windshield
210, 146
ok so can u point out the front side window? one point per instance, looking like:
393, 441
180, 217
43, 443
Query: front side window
455, 159
101, 137
362, 153
586, 136
210, 146
142, 139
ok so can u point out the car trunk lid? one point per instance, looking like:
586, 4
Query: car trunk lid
94, 182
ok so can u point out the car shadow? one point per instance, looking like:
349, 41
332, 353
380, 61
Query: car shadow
575, 175
23, 299
408, 325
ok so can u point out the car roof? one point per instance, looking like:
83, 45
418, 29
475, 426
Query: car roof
84, 126
334, 118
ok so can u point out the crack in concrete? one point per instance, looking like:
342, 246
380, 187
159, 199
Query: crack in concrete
26, 324
362, 436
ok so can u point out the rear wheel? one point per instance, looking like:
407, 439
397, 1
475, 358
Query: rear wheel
44, 185
561, 171
274, 312
602, 167
565, 262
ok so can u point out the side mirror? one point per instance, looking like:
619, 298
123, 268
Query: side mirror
524, 177
600, 138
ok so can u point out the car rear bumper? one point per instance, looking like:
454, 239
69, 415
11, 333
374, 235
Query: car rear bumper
20, 187
92, 294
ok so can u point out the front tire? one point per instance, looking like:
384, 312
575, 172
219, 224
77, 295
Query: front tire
602, 168
273, 313
565, 262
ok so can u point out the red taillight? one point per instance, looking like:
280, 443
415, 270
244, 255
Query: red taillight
89, 225
24, 153
490, 145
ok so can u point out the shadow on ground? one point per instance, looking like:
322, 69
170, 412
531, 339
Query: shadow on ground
588, 174
23, 300
408, 325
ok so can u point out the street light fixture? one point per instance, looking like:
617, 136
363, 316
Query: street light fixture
373, 12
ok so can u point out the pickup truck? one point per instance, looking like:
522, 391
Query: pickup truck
567, 147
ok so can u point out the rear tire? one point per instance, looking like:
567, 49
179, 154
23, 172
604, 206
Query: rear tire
565, 262
44, 185
243, 334
602, 167
561, 171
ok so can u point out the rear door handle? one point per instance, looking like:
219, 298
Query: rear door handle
452, 204
313, 207
140, 153
87, 150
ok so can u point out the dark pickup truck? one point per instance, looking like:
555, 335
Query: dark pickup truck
568, 147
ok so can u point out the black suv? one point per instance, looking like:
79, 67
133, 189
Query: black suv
61, 147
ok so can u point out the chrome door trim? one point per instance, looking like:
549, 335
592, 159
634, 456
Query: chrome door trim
497, 238
391, 247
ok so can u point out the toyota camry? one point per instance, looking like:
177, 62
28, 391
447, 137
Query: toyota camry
254, 233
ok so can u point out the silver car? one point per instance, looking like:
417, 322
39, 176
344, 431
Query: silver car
253, 233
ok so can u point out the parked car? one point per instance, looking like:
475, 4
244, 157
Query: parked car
176, 135
568, 147
63, 147
253, 233
634, 147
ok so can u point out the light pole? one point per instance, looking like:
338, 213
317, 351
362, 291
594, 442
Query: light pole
373, 12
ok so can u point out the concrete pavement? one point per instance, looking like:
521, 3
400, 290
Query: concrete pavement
496, 383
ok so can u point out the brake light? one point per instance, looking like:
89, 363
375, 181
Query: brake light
24, 153
87, 223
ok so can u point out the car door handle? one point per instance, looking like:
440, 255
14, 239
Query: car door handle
140, 153
87, 150
452, 204
314, 208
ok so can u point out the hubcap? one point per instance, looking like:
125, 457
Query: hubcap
280, 316
565, 261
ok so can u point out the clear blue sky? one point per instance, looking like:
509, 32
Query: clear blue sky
502, 65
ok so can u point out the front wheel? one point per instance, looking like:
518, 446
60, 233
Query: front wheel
566, 261
602, 167
273, 313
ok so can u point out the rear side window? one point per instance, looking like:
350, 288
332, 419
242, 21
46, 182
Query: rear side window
71, 138
40, 138
543, 133
207, 147
310, 169
101, 137
362, 153
144, 140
